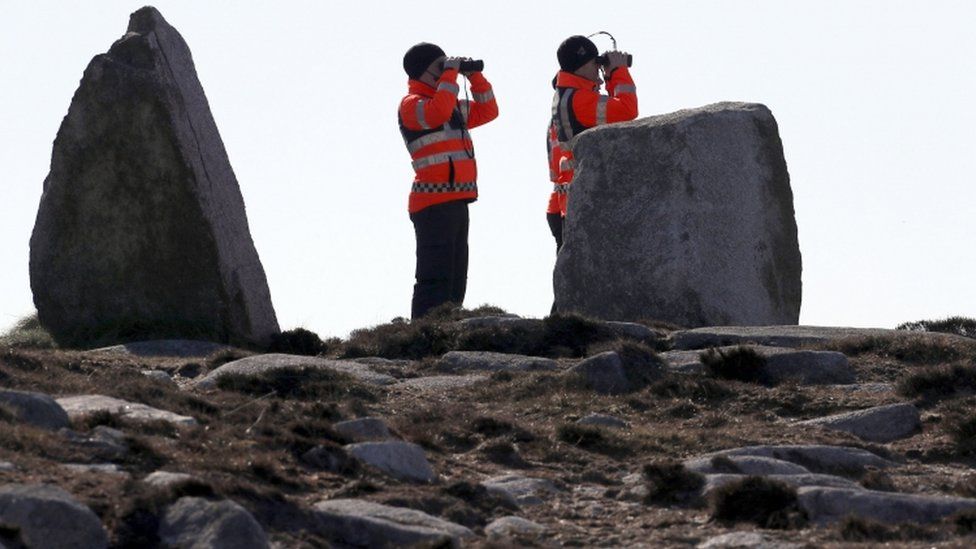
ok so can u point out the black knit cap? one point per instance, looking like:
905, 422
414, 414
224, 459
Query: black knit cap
419, 57
575, 52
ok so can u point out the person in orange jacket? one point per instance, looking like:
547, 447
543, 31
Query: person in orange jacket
554, 216
434, 125
578, 105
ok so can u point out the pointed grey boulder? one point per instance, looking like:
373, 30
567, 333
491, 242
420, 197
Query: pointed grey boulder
141, 230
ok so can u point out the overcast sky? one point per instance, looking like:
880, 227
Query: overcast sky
874, 101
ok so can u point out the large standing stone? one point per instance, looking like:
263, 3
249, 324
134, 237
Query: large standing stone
141, 229
686, 218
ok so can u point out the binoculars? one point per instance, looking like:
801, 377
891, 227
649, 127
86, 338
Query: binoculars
603, 62
473, 65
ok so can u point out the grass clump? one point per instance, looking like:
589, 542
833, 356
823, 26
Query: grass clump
738, 363
958, 325
669, 483
591, 439
962, 430
915, 349
695, 388
939, 382
642, 365
296, 383
28, 333
759, 500
857, 529
299, 341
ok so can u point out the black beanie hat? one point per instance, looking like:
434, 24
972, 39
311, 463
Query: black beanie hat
575, 52
419, 57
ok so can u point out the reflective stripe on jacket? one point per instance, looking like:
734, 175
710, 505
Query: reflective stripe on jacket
578, 105
434, 126
554, 152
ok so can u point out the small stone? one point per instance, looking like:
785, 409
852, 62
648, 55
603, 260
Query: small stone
402, 460
604, 373
441, 383
107, 442
364, 429
330, 458
362, 523
507, 527
743, 540
523, 490
603, 420
35, 409
82, 405
878, 424
633, 330
7, 467
197, 522
103, 468
160, 376
456, 361
47, 516
163, 479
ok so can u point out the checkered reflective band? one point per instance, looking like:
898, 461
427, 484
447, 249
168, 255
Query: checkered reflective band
560, 188
443, 187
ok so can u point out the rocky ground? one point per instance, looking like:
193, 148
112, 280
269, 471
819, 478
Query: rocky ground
477, 428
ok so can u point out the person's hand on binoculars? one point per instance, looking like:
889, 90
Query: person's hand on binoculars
616, 59
453, 63
467, 73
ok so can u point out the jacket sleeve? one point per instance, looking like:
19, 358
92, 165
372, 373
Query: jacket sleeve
483, 108
594, 109
424, 113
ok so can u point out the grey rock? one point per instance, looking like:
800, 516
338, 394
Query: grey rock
504, 321
878, 424
7, 467
47, 516
790, 336
366, 524
104, 441
178, 348
523, 490
160, 376
142, 223
459, 361
743, 540
745, 465
102, 468
507, 527
686, 218
604, 373
258, 364
815, 457
197, 523
402, 460
163, 479
441, 383
803, 367
385, 363
873, 388
330, 458
35, 409
713, 482
827, 505
82, 405
633, 330
364, 429
602, 420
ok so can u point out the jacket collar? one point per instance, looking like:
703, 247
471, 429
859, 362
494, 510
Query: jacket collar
567, 79
419, 88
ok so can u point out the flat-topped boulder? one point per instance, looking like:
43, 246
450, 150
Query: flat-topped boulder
716, 481
141, 230
177, 348
83, 405
817, 458
877, 424
782, 364
399, 459
686, 218
361, 523
521, 490
485, 361
789, 336
258, 364
826, 505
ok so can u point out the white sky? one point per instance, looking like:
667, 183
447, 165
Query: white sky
874, 101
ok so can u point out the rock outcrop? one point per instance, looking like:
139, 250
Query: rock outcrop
686, 218
141, 230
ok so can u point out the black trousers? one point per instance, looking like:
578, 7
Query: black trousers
442, 256
556, 227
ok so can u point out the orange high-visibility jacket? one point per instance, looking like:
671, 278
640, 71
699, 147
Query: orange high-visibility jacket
578, 105
555, 152
435, 125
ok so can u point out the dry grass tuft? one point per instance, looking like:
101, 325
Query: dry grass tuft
759, 500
